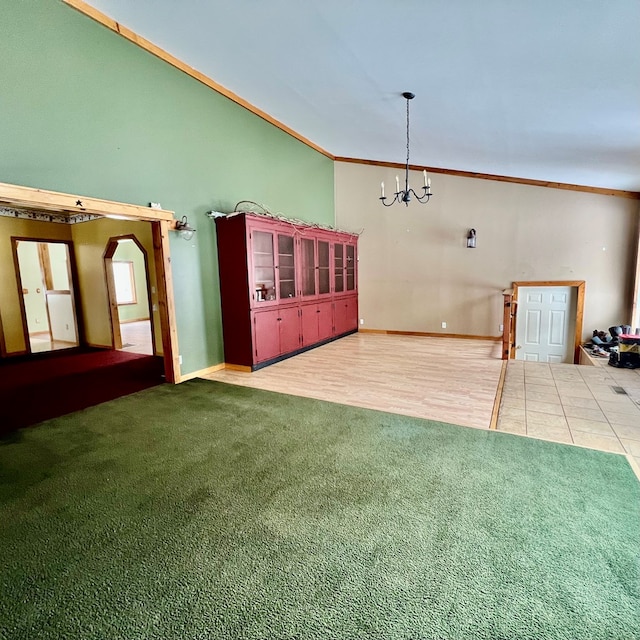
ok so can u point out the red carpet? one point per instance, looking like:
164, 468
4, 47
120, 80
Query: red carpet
43, 387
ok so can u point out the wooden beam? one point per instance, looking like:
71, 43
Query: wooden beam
166, 305
17, 196
633, 195
148, 46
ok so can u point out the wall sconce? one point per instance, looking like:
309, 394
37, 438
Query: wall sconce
184, 229
471, 239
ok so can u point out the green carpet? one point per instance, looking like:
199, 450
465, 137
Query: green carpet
206, 510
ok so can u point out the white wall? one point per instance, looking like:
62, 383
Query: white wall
416, 272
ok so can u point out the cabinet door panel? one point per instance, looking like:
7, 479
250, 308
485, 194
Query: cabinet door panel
338, 267
324, 268
309, 324
351, 267
289, 321
308, 265
325, 320
266, 334
352, 314
286, 267
264, 272
345, 315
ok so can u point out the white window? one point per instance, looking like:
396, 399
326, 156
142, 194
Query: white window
124, 281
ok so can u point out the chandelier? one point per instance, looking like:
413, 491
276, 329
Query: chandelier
406, 195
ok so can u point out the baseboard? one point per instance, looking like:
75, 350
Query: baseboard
15, 354
585, 357
201, 372
134, 320
427, 334
92, 345
237, 367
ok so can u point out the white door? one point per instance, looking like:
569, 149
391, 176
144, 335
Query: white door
545, 325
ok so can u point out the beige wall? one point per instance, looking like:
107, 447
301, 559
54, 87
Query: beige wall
90, 241
416, 272
9, 293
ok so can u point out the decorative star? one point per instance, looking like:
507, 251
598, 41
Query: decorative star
78, 203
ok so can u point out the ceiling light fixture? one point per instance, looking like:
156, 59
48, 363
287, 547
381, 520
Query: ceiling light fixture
184, 229
405, 196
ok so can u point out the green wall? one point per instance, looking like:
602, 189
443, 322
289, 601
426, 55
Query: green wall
85, 111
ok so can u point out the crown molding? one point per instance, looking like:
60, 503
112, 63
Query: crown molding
619, 193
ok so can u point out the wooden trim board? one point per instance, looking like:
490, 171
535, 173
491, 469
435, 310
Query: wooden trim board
496, 403
633, 195
202, 372
18, 196
462, 336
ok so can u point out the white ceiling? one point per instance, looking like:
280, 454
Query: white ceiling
538, 89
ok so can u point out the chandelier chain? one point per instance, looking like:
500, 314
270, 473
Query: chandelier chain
407, 194
407, 133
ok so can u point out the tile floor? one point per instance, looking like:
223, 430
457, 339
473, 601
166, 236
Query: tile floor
575, 404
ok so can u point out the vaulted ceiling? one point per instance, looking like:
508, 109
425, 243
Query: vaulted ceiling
538, 89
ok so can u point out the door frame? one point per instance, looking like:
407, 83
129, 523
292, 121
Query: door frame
73, 282
114, 314
579, 285
162, 221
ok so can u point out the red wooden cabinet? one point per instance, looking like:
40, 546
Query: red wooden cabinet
284, 287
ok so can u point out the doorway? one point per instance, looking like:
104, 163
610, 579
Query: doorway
48, 305
129, 290
548, 321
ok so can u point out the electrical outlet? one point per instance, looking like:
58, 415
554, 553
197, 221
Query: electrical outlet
179, 359
501, 328
361, 320
444, 325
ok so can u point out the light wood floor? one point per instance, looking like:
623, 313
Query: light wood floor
137, 337
445, 379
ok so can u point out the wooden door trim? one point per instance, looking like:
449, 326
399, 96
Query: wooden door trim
72, 271
161, 220
580, 285
23, 311
114, 313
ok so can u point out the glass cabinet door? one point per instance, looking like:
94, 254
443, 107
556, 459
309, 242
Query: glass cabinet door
323, 267
307, 255
351, 267
338, 267
264, 278
286, 267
